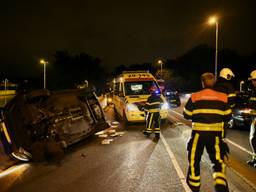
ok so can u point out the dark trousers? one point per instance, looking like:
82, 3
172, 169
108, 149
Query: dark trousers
5, 138
212, 141
153, 121
252, 138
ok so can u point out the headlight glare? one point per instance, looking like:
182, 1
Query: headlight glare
165, 106
132, 107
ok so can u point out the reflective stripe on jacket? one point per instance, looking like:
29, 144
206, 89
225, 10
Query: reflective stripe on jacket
252, 100
208, 110
153, 103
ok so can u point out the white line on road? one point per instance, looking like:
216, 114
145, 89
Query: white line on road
176, 113
238, 146
176, 165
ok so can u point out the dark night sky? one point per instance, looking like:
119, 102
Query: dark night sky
119, 32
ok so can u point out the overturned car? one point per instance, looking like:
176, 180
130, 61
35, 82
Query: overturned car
42, 123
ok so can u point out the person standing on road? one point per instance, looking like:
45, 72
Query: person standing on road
208, 109
224, 85
252, 104
152, 108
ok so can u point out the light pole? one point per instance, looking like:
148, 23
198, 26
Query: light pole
44, 62
212, 21
161, 64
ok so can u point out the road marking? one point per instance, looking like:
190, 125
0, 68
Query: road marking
176, 113
238, 146
176, 165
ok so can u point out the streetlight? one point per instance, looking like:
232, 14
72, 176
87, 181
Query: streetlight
161, 64
44, 62
214, 20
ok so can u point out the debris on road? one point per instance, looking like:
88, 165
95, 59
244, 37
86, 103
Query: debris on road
83, 155
112, 131
106, 141
121, 133
100, 133
117, 134
179, 123
114, 135
103, 135
109, 132
115, 123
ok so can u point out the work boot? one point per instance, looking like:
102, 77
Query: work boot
252, 162
146, 133
156, 139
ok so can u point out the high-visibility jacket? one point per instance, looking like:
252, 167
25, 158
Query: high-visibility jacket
153, 118
225, 86
153, 103
208, 110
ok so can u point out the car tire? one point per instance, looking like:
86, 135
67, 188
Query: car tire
97, 111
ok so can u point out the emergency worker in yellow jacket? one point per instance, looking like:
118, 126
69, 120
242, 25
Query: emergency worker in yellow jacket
208, 110
252, 105
152, 108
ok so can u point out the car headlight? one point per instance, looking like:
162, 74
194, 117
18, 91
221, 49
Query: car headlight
132, 107
245, 111
165, 106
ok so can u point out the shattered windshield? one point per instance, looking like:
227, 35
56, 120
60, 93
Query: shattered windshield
139, 87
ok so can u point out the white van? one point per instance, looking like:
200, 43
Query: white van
130, 93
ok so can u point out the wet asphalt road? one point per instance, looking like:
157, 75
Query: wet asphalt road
131, 163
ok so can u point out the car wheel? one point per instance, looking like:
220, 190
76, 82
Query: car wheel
97, 111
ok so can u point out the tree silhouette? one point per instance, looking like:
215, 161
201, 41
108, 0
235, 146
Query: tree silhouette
68, 70
183, 73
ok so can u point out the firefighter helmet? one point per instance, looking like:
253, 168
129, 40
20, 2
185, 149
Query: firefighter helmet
253, 75
226, 73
